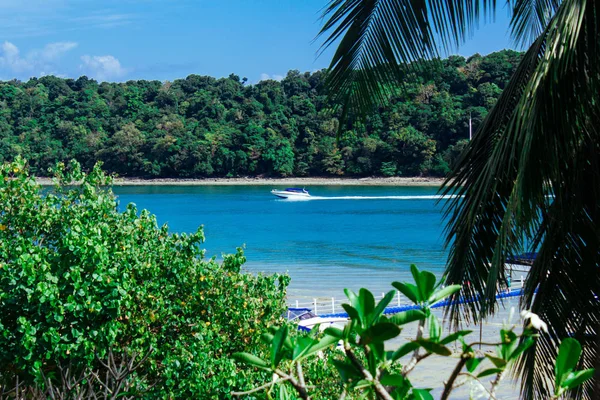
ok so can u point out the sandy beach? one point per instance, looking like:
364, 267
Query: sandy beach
302, 182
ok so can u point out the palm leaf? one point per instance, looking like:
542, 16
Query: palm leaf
530, 177
378, 41
541, 139
530, 18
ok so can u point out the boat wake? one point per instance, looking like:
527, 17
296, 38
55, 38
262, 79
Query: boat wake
422, 197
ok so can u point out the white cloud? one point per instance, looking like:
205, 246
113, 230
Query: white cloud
102, 68
35, 62
52, 51
101, 20
12, 60
45, 61
266, 77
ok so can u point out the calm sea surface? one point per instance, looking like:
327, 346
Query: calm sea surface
344, 237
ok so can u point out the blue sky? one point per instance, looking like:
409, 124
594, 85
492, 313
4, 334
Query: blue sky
168, 39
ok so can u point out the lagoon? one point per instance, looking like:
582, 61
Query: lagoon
358, 236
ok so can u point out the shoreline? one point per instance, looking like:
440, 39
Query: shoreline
251, 181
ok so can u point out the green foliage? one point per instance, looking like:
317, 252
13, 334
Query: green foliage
78, 277
425, 291
200, 126
566, 377
366, 370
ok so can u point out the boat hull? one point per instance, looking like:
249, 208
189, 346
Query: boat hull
324, 323
282, 194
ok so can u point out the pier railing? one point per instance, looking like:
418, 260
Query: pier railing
333, 305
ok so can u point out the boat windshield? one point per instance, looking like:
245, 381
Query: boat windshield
524, 259
298, 190
299, 314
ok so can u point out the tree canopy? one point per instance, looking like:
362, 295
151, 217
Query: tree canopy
204, 127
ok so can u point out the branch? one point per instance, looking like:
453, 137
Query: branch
485, 344
416, 357
478, 380
266, 385
495, 384
367, 375
450, 383
301, 389
300, 374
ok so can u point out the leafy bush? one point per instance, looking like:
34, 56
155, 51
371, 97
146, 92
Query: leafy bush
388, 168
79, 278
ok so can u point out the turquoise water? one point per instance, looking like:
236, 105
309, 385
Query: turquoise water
345, 237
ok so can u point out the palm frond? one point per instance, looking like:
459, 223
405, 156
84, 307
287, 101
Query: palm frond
530, 18
542, 139
484, 180
531, 176
380, 39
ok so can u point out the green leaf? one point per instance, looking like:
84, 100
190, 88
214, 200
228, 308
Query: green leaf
435, 330
277, 346
352, 312
416, 274
404, 350
426, 285
363, 384
349, 332
425, 282
443, 293
378, 351
523, 346
566, 361
287, 343
252, 360
409, 290
422, 394
335, 332
383, 303
393, 380
406, 317
283, 393
472, 363
490, 371
325, 342
498, 362
303, 344
353, 299
510, 343
578, 378
367, 302
267, 338
434, 347
454, 336
347, 371
380, 332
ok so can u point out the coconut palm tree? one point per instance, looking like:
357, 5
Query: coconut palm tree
530, 178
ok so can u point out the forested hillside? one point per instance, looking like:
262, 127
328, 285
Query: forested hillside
201, 126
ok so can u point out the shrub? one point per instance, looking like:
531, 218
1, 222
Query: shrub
79, 278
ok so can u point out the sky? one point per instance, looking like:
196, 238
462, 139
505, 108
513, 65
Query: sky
119, 40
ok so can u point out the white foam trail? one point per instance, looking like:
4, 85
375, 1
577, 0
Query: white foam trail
423, 197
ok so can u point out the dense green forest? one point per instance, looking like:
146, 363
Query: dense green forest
201, 126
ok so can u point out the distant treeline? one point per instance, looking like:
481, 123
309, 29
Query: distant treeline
201, 126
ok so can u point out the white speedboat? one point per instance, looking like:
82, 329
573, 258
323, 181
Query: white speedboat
291, 193
306, 320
